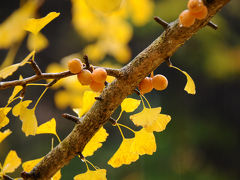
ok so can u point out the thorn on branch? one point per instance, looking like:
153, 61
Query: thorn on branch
35, 67
52, 83
212, 25
160, 21
99, 98
168, 61
71, 118
85, 57
113, 121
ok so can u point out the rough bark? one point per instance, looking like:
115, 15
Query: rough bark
112, 96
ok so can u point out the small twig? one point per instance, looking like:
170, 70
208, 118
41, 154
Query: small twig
85, 57
52, 83
99, 98
113, 121
23, 91
35, 67
71, 118
6, 177
212, 25
160, 21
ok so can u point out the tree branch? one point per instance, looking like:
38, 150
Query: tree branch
148, 60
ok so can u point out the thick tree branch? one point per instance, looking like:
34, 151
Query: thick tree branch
148, 60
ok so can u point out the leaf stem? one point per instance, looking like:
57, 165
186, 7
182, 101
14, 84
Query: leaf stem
126, 127
40, 98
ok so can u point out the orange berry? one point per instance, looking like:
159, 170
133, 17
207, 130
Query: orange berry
145, 86
85, 77
195, 6
75, 66
201, 14
159, 82
186, 19
96, 86
99, 75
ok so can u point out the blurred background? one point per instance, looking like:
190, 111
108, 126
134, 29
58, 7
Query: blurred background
202, 139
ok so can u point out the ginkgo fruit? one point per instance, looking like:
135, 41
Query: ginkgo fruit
201, 14
195, 6
96, 86
85, 77
75, 65
159, 82
145, 85
186, 19
99, 75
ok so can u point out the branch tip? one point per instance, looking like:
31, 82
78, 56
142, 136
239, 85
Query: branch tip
113, 121
35, 67
85, 57
212, 25
71, 118
160, 21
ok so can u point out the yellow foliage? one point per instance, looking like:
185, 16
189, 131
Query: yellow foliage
130, 104
11, 162
11, 30
7, 71
124, 154
4, 134
95, 143
37, 42
144, 142
190, 85
35, 25
47, 128
3, 116
29, 121
99, 174
151, 119
16, 111
16, 90
104, 6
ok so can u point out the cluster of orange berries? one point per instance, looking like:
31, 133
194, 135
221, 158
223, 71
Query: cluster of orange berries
158, 82
96, 79
196, 10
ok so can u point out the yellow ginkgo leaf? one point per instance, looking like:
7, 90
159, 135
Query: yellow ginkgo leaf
16, 111
35, 25
130, 104
124, 154
99, 174
87, 102
3, 116
95, 143
160, 124
11, 162
146, 117
47, 128
190, 86
104, 6
29, 165
37, 42
144, 142
16, 90
4, 134
29, 121
9, 70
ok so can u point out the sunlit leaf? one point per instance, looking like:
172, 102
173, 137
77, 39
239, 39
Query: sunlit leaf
47, 128
16, 90
190, 86
4, 134
29, 121
95, 143
99, 174
144, 142
37, 42
7, 71
11, 162
29, 165
124, 154
130, 104
16, 111
104, 6
35, 25
3, 116
160, 124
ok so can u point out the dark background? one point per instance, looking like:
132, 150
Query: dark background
202, 139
